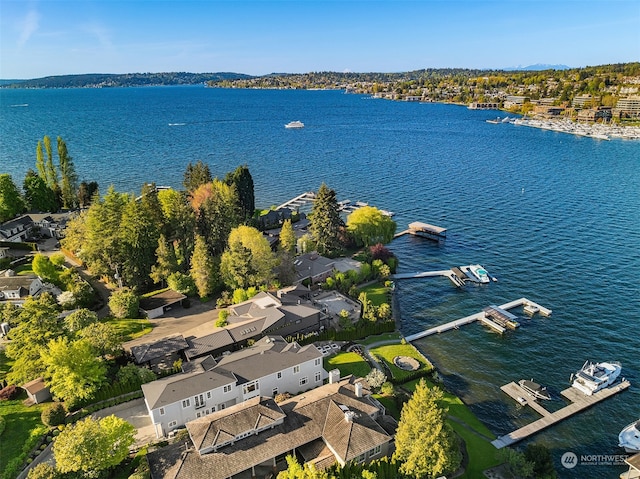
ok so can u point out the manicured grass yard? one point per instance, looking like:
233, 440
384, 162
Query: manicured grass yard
376, 293
388, 352
482, 454
21, 422
131, 328
347, 363
24, 270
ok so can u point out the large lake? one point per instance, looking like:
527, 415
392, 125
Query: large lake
556, 218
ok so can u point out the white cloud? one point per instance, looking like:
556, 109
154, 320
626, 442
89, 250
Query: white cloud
29, 26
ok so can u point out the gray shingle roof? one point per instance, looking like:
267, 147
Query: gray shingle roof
158, 349
312, 416
206, 344
267, 356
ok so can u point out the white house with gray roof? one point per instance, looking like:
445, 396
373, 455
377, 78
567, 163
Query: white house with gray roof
269, 367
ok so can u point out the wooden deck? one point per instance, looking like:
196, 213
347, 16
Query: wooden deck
579, 402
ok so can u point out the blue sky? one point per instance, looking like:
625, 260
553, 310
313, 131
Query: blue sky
56, 37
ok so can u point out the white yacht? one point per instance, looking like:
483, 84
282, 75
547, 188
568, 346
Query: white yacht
630, 437
294, 124
480, 273
592, 377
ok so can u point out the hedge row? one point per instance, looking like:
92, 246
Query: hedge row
361, 331
107, 392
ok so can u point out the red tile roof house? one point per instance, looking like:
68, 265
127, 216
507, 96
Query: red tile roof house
337, 422
269, 367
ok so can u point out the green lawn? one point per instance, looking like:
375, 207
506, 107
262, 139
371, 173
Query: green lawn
21, 423
377, 293
389, 352
131, 328
380, 337
482, 454
347, 363
389, 404
24, 270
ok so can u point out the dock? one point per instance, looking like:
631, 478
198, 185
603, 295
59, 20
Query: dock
299, 201
579, 402
454, 274
424, 230
481, 316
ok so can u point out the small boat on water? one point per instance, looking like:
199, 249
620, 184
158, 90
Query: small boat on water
592, 377
480, 273
495, 122
530, 309
294, 124
629, 437
534, 389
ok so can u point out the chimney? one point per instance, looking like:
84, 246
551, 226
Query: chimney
358, 390
334, 376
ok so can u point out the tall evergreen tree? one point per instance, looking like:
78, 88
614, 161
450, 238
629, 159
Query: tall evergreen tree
37, 195
425, 444
196, 175
49, 168
286, 268
86, 192
11, 202
217, 215
138, 240
42, 172
68, 176
166, 262
326, 224
150, 203
203, 268
180, 223
287, 237
243, 182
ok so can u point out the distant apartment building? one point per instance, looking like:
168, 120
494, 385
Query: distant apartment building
627, 107
269, 367
585, 101
515, 100
601, 113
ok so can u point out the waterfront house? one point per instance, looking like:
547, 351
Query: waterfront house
337, 422
313, 267
269, 367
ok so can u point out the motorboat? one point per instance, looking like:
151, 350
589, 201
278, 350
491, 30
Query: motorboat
534, 389
294, 124
629, 437
480, 273
592, 377
530, 309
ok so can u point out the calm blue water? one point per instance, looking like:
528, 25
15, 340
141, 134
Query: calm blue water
555, 217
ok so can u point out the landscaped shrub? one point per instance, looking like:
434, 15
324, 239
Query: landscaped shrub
8, 393
124, 303
42, 471
222, 318
54, 415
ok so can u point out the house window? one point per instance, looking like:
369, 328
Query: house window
303, 381
208, 394
162, 411
199, 400
360, 458
318, 376
186, 403
375, 451
227, 388
172, 424
296, 369
317, 362
274, 393
197, 414
250, 387
279, 375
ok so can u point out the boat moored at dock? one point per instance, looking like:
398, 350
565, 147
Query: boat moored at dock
629, 437
592, 377
534, 389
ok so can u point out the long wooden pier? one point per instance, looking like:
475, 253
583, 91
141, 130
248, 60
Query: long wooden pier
579, 402
481, 316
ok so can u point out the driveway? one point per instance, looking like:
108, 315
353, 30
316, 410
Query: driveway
135, 413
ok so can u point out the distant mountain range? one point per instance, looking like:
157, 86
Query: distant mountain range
106, 80
538, 67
